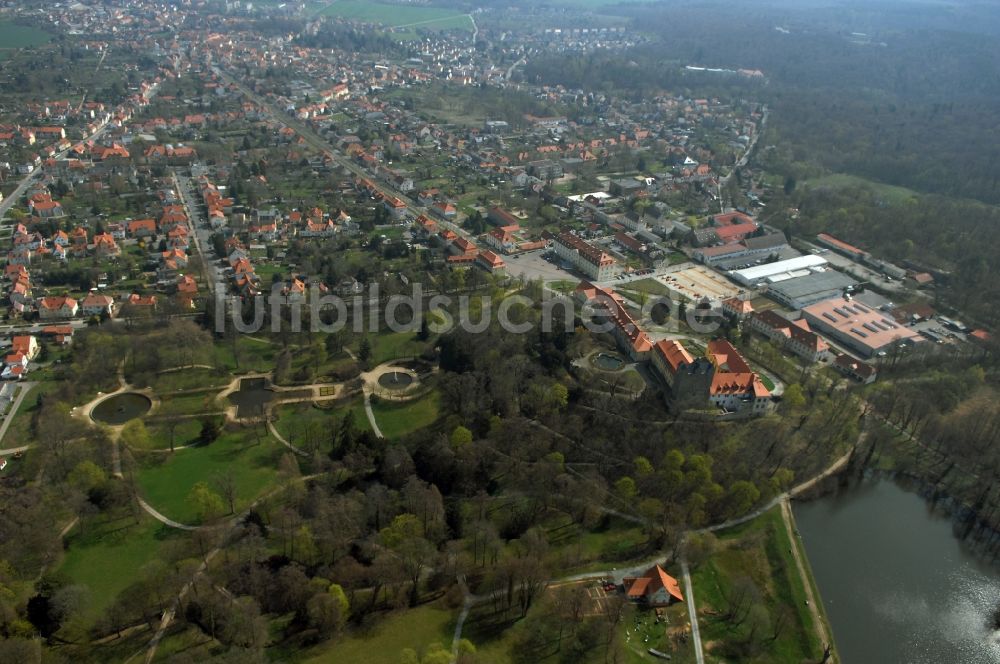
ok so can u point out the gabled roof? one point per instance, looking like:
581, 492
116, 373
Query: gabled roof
651, 582
97, 300
57, 302
724, 354
739, 306
797, 330
674, 353
738, 383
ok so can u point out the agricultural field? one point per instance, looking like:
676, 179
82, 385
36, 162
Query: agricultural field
14, 36
399, 16
891, 194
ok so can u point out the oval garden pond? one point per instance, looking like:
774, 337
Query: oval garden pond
608, 362
121, 408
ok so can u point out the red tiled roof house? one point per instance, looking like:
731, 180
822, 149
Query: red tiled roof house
654, 588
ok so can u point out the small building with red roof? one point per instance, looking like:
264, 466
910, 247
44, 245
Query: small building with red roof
654, 588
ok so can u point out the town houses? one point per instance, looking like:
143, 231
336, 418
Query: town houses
796, 335
585, 257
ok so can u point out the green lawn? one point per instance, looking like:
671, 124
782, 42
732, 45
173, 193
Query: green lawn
761, 551
166, 480
250, 354
436, 18
399, 419
189, 404
19, 431
563, 286
647, 286
189, 379
185, 433
107, 557
572, 547
298, 422
392, 345
415, 628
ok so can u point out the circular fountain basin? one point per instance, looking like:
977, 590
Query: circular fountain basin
395, 380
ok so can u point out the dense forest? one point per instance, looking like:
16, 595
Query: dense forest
907, 106
908, 103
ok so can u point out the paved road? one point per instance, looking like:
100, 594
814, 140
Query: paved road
35, 328
510, 70
201, 235
22, 392
16, 195
748, 152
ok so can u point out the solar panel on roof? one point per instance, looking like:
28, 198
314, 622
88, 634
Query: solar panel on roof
841, 311
870, 327
859, 333
829, 316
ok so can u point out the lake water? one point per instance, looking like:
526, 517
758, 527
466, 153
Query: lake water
899, 588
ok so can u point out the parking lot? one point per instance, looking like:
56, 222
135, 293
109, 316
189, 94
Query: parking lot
697, 282
532, 265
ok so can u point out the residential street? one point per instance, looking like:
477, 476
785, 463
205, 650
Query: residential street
201, 235
23, 390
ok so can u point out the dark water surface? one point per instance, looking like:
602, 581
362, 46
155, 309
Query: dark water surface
899, 587
121, 408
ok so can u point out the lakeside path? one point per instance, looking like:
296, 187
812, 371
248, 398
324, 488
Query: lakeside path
823, 630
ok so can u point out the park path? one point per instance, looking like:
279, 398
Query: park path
371, 415
169, 614
370, 382
164, 519
460, 623
186, 366
281, 439
834, 467
699, 653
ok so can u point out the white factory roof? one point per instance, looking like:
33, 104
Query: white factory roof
752, 275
